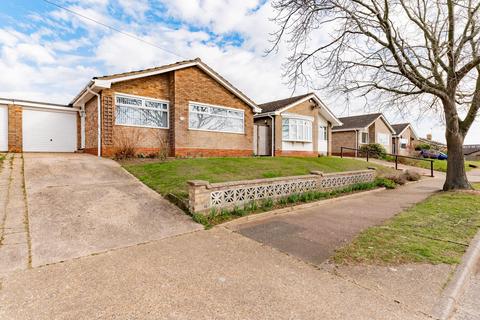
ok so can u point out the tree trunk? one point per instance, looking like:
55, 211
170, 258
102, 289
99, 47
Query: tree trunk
456, 175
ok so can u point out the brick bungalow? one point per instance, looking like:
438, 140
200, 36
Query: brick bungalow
362, 129
185, 107
296, 126
404, 140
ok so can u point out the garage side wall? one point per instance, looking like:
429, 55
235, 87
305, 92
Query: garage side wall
14, 128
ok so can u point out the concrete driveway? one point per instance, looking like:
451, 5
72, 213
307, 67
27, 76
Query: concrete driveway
79, 204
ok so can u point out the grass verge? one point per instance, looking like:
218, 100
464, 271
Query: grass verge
171, 176
437, 230
219, 216
438, 165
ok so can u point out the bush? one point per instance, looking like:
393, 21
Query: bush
385, 182
422, 146
374, 149
412, 175
398, 178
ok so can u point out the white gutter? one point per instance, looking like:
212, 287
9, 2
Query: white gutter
99, 122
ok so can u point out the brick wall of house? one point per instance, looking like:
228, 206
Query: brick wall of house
91, 126
178, 88
307, 109
192, 84
14, 128
343, 139
407, 134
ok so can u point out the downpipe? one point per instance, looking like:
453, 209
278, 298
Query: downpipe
99, 122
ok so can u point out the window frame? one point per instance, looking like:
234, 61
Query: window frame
367, 135
143, 98
325, 132
191, 103
387, 136
305, 132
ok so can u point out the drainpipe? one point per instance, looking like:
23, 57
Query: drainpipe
273, 134
99, 131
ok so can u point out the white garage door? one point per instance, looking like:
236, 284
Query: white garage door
3, 128
49, 131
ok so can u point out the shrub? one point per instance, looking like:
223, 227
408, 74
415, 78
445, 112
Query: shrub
412, 175
422, 146
125, 142
374, 149
385, 182
398, 178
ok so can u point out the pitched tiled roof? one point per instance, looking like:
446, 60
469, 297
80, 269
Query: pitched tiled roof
399, 127
130, 73
355, 122
279, 104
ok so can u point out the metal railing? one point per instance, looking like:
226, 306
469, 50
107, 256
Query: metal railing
370, 153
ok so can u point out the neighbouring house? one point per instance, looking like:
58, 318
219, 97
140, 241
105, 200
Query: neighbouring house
184, 109
434, 145
32, 126
404, 140
360, 130
296, 126
472, 152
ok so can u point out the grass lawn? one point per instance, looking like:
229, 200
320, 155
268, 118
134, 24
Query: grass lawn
436, 230
172, 176
438, 165
476, 186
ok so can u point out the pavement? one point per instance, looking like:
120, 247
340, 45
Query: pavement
213, 274
313, 234
467, 307
75, 205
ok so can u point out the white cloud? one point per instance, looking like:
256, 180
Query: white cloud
136, 8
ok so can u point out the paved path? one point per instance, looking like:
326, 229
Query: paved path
214, 274
14, 225
314, 233
79, 204
468, 307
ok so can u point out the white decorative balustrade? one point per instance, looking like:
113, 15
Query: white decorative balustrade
204, 196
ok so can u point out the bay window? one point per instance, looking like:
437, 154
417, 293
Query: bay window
140, 112
215, 118
296, 130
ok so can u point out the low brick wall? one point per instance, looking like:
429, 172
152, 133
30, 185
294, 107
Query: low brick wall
203, 196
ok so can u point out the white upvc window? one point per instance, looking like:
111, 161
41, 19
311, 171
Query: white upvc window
215, 118
383, 139
323, 133
140, 111
364, 137
403, 143
296, 130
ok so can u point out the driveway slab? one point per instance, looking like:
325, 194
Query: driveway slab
214, 274
313, 234
80, 204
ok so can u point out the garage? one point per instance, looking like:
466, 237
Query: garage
3, 128
47, 130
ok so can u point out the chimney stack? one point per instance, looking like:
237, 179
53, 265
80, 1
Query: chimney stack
429, 136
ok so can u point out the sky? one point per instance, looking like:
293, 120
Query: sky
49, 54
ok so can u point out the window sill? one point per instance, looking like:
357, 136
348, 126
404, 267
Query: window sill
140, 126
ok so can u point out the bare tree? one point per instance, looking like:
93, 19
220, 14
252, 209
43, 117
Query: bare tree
414, 55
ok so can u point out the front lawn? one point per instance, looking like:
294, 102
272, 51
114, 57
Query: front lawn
437, 230
438, 165
477, 185
171, 176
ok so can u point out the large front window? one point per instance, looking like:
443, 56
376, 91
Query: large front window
141, 112
213, 118
296, 130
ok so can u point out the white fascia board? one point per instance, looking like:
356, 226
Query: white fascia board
263, 115
41, 105
326, 113
296, 116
